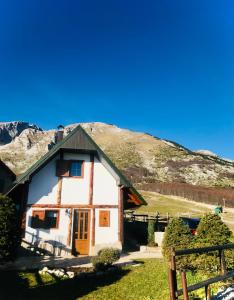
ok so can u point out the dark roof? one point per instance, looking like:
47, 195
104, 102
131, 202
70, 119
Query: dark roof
77, 139
7, 169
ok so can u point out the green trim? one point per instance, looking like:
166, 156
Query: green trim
50, 154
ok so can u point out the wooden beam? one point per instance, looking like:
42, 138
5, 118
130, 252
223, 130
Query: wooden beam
59, 189
71, 206
69, 228
91, 179
120, 211
93, 226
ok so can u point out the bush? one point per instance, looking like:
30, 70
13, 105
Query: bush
151, 226
9, 234
211, 231
178, 236
105, 258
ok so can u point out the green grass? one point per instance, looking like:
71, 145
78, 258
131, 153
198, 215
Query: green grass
177, 206
148, 281
166, 204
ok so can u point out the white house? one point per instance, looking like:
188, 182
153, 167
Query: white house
72, 199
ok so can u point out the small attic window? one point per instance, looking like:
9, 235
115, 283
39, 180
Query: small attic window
76, 168
70, 168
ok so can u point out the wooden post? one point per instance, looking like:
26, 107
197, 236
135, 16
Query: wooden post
120, 211
59, 190
223, 269
93, 227
207, 292
69, 228
184, 285
172, 274
91, 179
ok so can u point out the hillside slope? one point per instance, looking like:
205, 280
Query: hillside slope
142, 157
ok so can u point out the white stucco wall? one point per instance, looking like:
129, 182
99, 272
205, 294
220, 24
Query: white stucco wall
106, 235
105, 189
76, 190
43, 186
53, 238
43, 190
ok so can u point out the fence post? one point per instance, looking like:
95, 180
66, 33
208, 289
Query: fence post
184, 285
223, 269
172, 276
207, 292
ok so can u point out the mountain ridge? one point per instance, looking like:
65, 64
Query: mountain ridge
141, 156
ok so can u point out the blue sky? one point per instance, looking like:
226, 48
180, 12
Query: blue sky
163, 67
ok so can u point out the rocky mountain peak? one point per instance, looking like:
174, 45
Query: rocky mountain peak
10, 130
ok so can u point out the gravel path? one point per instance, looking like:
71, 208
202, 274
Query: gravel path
26, 263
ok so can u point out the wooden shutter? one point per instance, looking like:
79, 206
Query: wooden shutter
104, 218
62, 168
38, 218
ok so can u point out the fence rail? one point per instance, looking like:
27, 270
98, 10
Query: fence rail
175, 293
131, 216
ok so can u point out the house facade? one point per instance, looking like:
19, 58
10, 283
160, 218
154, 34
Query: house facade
72, 199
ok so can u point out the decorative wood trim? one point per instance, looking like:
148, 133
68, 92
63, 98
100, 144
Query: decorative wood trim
91, 179
23, 204
59, 189
69, 228
93, 226
71, 206
120, 211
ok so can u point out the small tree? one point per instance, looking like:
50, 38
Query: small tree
9, 235
178, 236
151, 226
211, 231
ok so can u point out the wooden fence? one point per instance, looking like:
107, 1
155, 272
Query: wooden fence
158, 218
175, 292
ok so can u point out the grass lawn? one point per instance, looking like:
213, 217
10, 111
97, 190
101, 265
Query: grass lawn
177, 206
147, 281
172, 205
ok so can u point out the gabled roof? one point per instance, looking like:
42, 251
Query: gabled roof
7, 169
78, 140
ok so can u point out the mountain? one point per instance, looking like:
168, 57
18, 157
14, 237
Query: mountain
141, 156
10, 130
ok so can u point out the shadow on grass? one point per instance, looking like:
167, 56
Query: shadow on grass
14, 287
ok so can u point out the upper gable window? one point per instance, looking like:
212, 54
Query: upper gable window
70, 168
76, 168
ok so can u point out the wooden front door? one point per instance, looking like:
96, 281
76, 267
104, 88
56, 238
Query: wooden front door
81, 231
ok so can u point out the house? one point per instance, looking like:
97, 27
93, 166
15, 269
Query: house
7, 177
72, 199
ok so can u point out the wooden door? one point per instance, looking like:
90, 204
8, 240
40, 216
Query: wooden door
81, 232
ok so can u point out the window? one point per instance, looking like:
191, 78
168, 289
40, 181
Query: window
46, 219
76, 168
70, 168
104, 218
51, 218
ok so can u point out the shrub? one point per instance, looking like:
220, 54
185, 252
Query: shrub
9, 235
105, 258
151, 226
178, 236
211, 231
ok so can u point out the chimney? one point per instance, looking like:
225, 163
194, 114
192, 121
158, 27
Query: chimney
59, 134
